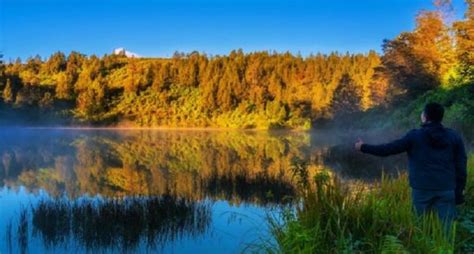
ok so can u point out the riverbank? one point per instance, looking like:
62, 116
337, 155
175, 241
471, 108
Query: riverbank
334, 218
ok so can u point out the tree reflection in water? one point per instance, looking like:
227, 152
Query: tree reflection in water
113, 224
260, 189
235, 166
157, 186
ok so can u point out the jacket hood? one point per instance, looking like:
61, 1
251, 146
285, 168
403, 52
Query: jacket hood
437, 134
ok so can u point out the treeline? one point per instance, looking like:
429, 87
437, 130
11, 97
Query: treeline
425, 70
240, 90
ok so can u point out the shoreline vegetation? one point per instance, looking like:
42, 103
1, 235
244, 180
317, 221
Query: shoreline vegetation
164, 128
335, 218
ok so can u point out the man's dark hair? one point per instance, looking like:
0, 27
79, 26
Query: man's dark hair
434, 112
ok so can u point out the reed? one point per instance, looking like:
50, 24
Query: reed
334, 217
9, 236
22, 231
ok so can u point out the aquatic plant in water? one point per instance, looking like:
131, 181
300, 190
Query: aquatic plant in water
113, 223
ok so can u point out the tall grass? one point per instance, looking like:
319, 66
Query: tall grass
336, 218
465, 234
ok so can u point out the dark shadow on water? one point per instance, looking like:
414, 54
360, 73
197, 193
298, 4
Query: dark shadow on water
22, 232
9, 236
123, 224
261, 189
355, 165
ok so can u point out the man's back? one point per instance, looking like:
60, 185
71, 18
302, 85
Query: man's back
432, 157
436, 157
437, 163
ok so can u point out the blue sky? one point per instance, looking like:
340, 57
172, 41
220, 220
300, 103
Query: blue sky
161, 27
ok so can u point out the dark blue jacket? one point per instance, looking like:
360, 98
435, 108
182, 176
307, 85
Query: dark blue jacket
436, 156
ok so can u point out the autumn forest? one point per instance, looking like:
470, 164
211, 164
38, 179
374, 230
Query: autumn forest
257, 90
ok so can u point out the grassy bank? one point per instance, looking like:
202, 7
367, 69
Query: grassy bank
336, 218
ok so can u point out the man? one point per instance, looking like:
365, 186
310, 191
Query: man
437, 163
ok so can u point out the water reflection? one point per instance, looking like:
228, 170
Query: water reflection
348, 164
252, 168
110, 224
195, 165
119, 223
157, 187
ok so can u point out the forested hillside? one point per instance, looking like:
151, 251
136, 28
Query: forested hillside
244, 90
451, 70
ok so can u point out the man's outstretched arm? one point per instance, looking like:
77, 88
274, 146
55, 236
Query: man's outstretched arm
395, 147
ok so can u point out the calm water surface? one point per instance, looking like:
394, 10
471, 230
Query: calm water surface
108, 191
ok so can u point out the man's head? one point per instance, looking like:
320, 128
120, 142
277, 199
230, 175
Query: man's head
433, 112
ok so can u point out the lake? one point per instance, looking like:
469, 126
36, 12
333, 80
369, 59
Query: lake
170, 191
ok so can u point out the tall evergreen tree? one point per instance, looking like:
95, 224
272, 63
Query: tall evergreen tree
347, 97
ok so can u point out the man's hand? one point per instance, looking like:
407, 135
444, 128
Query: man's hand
358, 144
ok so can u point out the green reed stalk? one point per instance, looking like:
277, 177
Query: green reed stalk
336, 218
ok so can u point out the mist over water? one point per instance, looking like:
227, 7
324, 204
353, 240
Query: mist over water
169, 190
